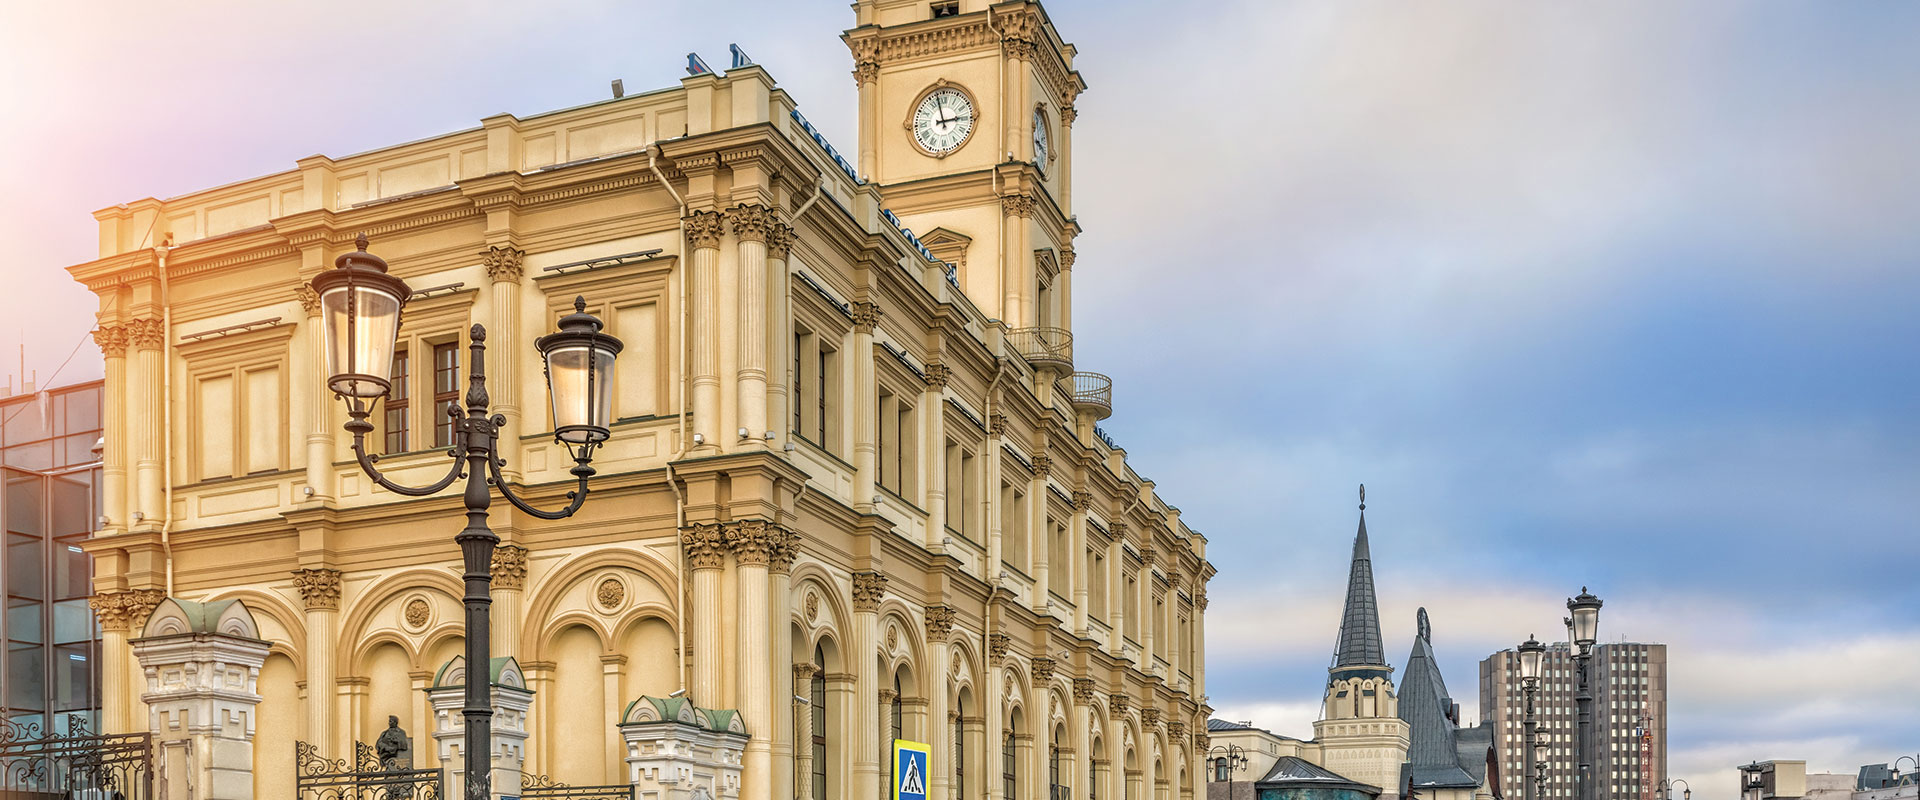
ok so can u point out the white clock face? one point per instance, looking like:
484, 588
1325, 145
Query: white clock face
1040, 142
943, 121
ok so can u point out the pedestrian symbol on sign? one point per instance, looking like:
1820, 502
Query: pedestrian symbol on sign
910, 770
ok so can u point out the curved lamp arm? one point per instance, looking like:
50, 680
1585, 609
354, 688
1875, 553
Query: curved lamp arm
359, 426
575, 498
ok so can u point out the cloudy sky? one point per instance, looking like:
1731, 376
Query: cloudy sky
1618, 295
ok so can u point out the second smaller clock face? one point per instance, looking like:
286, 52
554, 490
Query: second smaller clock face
1040, 140
943, 120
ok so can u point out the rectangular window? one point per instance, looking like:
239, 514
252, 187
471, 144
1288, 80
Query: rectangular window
970, 490
446, 390
1097, 583
395, 418
815, 368
1013, 526
894, 433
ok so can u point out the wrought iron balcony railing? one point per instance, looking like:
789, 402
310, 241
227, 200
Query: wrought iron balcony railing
1043, 347
1091, 392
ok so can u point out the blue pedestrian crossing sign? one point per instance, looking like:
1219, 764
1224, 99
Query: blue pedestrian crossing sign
910, 770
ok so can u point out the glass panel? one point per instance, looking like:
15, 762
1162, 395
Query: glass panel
24, 623
72, 677
77, 449
82, 411
23, 503
38, 455
71, 499
26, 678
72, 570
28, 420
72, 622
26, 561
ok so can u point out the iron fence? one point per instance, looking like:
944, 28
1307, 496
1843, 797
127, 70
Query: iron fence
79, 765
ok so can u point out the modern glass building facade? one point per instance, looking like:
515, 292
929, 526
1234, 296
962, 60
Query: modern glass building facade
48, 503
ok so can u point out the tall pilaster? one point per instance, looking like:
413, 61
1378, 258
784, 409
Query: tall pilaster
1077, 556
865, 392
1151, 777
1083, 772
996, 535
779, 333
1116, 583
752, 542
1200, 640
706, 550
783, 545
704, 229
1149, 619
866, 75
503, 265
509, 584
1040, 729
868, 587
310, 399
320, 596
803, 730
994, 709
939, 729
146, 335
935, 460
1016, 261
112, 340
751, 225
1040, 538
115, 673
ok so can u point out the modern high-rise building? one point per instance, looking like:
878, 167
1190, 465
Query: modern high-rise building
1629, 705
50, 467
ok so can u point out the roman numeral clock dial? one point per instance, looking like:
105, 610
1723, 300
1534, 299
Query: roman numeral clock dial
942, 121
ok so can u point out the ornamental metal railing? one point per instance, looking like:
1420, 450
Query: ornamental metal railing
1043, 347
1091, 391
79, 764
541, 787
317, 777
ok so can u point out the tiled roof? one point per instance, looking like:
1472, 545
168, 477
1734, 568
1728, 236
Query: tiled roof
1359, 643
1433, 749
1296, 772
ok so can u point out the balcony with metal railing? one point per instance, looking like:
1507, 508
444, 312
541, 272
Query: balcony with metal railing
1091, 392
1044, 348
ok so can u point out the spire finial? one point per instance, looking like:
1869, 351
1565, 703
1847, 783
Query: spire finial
1363, 497
361, 241
579, 304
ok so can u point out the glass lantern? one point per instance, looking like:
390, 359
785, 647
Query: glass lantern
579, 360
360, 316
1586, 618
1532, 652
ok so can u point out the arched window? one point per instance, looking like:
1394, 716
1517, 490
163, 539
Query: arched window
1059, 791
960, 748
893, 724
818, 704
1009, 763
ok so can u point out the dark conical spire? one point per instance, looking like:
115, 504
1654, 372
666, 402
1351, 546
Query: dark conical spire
1359, 644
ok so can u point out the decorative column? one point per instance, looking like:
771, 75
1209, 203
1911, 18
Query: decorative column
1083, 768
1127, 781
935, 461
311, 399
868, 587
1041, 728
1177, 743
509, 583
1039, 536
1175, 578
996, 536
751, 224
146, 336
1067, 115
864, 396
803, 729
1116, 585
202, 664
1016, 272
116, 670
539, 675
783, 545
1077, 556
993, 709
939, 729
112, 340
612, 665
1200, 637
706, 554
752, 542
320, 595
866, 75
1149, 723
779, 334
704, 230
503, 265
1148, 619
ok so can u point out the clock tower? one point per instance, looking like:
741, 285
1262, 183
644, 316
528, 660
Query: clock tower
966, 117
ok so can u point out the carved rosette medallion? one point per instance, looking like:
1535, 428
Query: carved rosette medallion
750, 222
997, 646
417, 613
1043, 670
319, 588
509, 567
610, 593
940, 622
503, 264
1083, 691
893, 638
751, 540
868, 587
811, 606
706, 546
865, 316
705, 228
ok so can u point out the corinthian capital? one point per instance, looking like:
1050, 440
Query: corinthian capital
319, 588
865, 316
751, 222
705, 228
146, 333
706, 546
940, 622
112, 340
752, 540
503, 263
779, 241
509, 567
868, 587
1017, 205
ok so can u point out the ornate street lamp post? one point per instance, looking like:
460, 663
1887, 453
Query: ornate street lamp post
1666, 789
1229, 756
1533, 778
1913, 776
1583, 626
360, 312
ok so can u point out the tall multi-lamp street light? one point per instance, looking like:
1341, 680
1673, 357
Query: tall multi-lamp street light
360, 312
1583, 628
1666, 788
1534, 777
1913, 775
